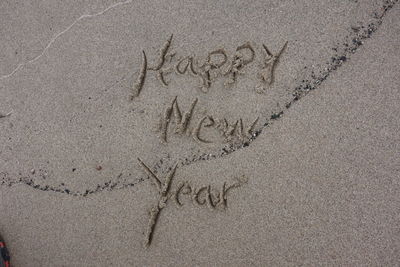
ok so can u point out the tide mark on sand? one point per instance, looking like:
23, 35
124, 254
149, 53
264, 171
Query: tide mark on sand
350, 45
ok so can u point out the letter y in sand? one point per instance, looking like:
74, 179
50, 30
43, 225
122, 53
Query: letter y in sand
163, 190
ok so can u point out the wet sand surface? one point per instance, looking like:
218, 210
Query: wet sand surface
281, 119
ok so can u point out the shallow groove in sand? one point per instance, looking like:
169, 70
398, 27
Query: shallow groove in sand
342, 53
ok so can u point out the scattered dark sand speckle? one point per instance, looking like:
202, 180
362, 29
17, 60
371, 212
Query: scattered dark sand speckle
343, 51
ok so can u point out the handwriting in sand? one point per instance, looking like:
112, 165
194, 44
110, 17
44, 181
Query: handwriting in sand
218, 64
227, 130
206, 195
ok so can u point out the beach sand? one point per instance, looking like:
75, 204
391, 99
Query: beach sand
316, 180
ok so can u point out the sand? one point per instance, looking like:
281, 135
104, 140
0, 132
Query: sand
311, 156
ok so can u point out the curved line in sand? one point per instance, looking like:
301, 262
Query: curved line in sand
303, 87
55, 37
